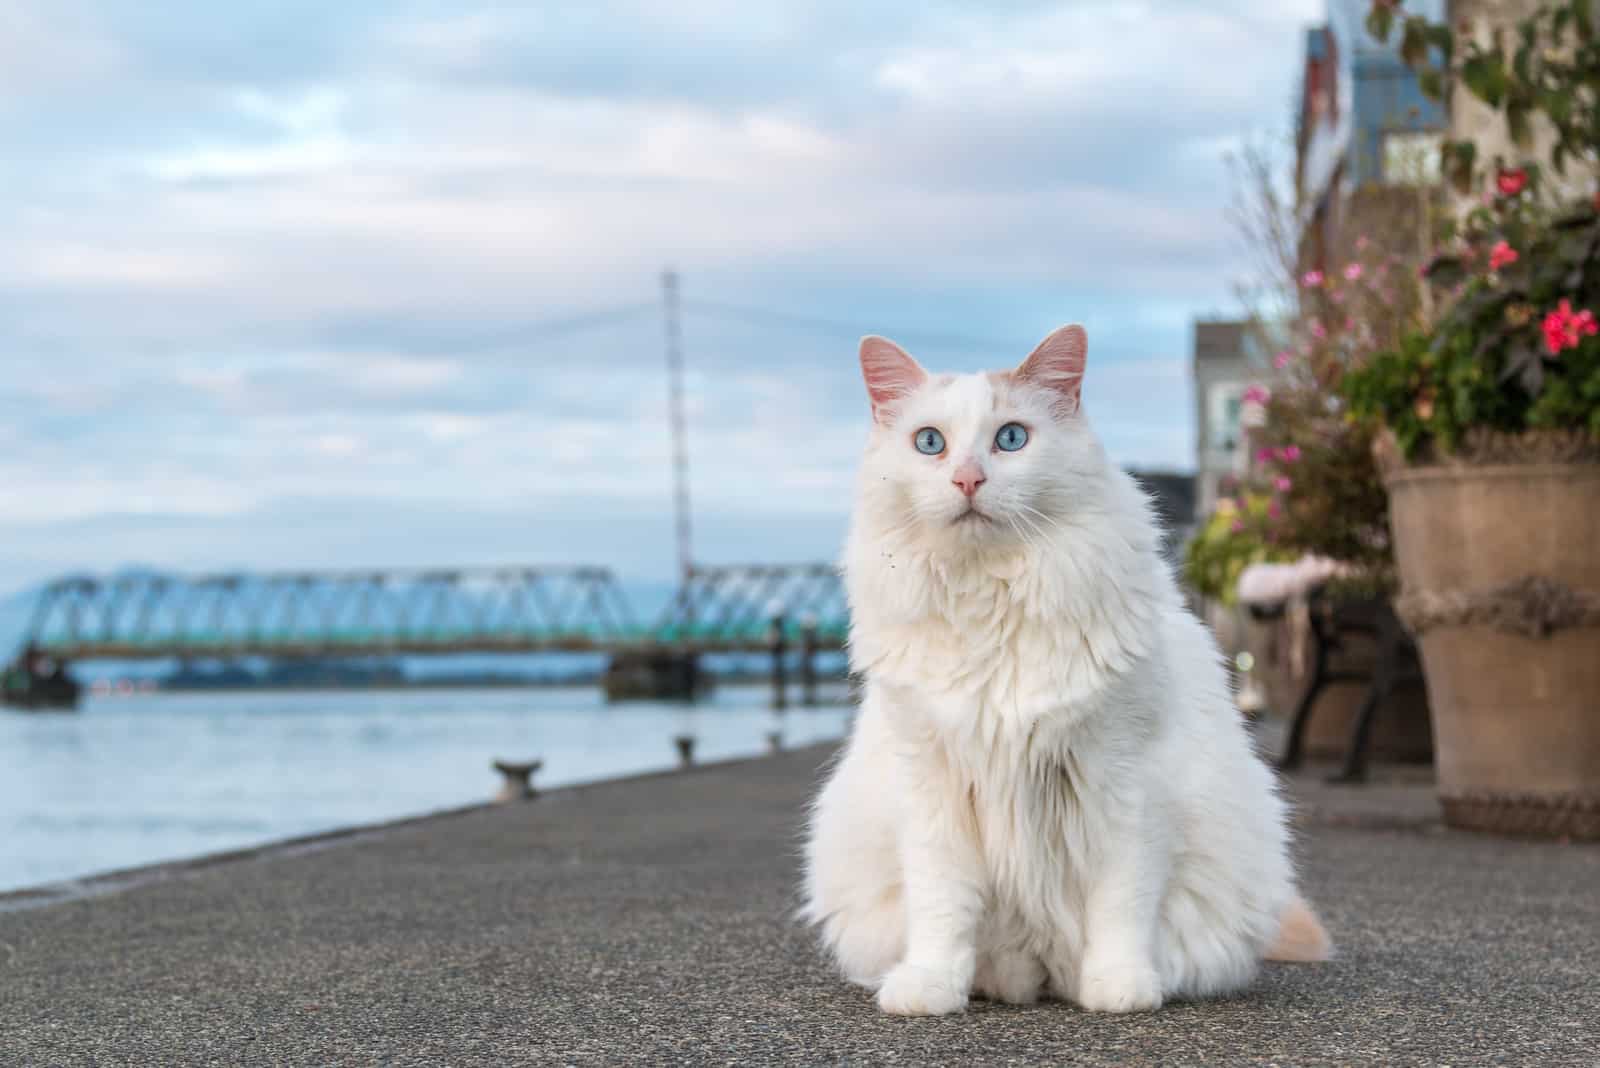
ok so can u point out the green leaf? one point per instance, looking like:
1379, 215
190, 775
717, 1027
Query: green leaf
1583, 18
1414, 42
1431, 81
1458, 159
1518, 125
1440, 37
1380, 20
1557, 103
1485, 75
1447, 271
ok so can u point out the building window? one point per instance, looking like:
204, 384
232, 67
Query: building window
1411, 157
1226, 404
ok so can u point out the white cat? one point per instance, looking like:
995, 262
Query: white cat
1048, 788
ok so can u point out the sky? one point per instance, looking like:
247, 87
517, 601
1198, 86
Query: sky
367, 283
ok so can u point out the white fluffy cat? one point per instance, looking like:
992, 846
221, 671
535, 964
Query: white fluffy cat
1048, 788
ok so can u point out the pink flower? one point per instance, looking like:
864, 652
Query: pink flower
1264, 456
1565, 329
1510, 183
1361, 242
1274, 509
1257, 395
1237, 526
1289, 453
1502, 255
1311, 279
1318, 331
1282, 359
1283, 483
1352, 272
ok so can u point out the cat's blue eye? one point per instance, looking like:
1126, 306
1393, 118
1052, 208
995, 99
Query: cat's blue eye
929, 441
1012, 437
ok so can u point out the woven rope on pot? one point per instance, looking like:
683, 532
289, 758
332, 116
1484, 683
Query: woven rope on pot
1530, 606
1574, 816
1481, 446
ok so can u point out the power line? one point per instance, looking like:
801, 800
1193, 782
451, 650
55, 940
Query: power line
559, 326
914, 338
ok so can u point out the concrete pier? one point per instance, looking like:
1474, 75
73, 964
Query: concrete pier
651, 921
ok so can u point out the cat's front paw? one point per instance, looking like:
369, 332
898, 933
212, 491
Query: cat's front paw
911, 990
1116, 986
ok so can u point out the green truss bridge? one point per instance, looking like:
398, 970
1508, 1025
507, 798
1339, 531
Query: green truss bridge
339, 614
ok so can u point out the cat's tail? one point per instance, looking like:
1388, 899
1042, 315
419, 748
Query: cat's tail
1301, 937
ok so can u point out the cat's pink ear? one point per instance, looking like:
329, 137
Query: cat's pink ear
890, 373
1057, 365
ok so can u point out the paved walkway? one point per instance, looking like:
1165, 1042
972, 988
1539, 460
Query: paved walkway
647, 921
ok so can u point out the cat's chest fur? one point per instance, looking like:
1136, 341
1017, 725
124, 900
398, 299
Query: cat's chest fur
996, 650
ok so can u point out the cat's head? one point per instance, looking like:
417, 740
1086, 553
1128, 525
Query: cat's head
980, 460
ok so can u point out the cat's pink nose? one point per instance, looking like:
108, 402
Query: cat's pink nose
969, 476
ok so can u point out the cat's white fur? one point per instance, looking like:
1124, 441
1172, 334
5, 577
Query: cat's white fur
1048, 789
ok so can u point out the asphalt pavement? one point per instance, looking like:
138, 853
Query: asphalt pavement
649, 921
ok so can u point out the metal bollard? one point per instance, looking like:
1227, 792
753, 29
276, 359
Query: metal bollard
517, 784
685, 744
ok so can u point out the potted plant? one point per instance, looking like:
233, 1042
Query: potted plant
1489, 440
1325, 502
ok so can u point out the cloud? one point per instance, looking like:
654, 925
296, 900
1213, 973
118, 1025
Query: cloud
406, 254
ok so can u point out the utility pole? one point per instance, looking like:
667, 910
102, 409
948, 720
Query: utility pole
680, 445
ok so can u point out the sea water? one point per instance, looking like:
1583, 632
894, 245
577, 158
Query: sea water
132, 780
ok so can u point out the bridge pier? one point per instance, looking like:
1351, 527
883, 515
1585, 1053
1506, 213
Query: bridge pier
808, 662
38, 681
655, 675
777, 643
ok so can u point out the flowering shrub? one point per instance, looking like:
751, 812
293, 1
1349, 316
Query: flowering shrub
1313, 461
1239, 533
1516, 349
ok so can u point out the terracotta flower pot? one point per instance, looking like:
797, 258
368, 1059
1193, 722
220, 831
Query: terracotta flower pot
1500, 569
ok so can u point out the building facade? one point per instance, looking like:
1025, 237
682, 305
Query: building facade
1226, 362
1366, 137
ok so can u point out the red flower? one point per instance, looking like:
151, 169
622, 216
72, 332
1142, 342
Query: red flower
1565, 329
1510, 183
1502, 255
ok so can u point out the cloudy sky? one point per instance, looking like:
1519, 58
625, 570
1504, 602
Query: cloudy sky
287, 283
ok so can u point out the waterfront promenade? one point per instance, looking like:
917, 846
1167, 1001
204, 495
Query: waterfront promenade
649, 921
